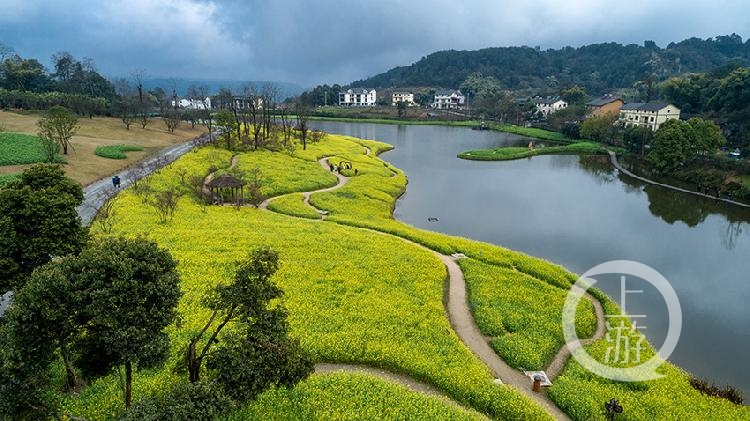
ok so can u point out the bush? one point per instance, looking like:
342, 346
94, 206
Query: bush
186, 401
727, 392
115, 151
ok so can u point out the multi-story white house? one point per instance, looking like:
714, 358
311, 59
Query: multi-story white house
358, 97
449, 99
549, 105
406, 97
648, 114
193, 104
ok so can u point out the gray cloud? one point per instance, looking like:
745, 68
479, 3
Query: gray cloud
334, 41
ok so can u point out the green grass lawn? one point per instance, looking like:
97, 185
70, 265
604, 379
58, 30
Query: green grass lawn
116, 151
7, 178
515, 152
19, 148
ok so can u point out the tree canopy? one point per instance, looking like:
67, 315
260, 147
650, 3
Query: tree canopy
38, 221
598, 68
104, 308
257, 352
677, 141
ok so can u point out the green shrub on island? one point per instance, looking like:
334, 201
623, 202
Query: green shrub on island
116, 151
517, 152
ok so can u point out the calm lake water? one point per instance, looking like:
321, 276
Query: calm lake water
578, 212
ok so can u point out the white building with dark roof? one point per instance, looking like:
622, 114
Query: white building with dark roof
358, 97
400, 96
549, 105
448, 99
648, 114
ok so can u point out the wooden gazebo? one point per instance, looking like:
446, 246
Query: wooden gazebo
226, 184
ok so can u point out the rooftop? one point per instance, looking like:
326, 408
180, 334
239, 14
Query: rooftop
602, 101
645, 106
225, 181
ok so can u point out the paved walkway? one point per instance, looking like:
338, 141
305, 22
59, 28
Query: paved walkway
616, 164
98, 192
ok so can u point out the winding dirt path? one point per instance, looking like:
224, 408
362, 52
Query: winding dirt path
558, 363
341, 182
616, 164
403, 380
465, 327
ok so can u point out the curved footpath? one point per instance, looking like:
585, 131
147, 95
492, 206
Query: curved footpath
406, 381
616, 164
465, 327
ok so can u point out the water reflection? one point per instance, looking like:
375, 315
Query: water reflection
579, 212
669, 205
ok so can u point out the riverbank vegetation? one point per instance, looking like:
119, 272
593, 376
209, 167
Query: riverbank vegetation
510, 153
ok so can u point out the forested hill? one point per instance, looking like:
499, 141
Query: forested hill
598, 67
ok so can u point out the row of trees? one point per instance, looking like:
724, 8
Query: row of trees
599, 68
70, 75
102, 306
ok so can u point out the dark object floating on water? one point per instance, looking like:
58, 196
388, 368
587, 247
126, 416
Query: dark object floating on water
480, 127
432, 219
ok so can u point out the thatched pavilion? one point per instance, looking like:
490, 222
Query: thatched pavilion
227, 185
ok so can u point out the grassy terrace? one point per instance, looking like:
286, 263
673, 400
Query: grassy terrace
510, 153
358, 296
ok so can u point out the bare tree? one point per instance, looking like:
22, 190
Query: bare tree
286, 130
165, 203
303, 118
143, 106
195, 185
316, 136
255, 196
105, 217
269, 94
171, 114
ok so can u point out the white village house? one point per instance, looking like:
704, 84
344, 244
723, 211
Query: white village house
648, 114
449, 99
193, 104
358, 97
549, 105
406, 97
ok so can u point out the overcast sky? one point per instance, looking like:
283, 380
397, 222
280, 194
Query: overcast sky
335, 41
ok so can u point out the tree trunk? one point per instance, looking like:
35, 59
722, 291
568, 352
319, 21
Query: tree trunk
65, 148
128, 383
71, 381
194, 364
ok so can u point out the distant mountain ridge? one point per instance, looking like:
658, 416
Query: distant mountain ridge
599, 68
286, 89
